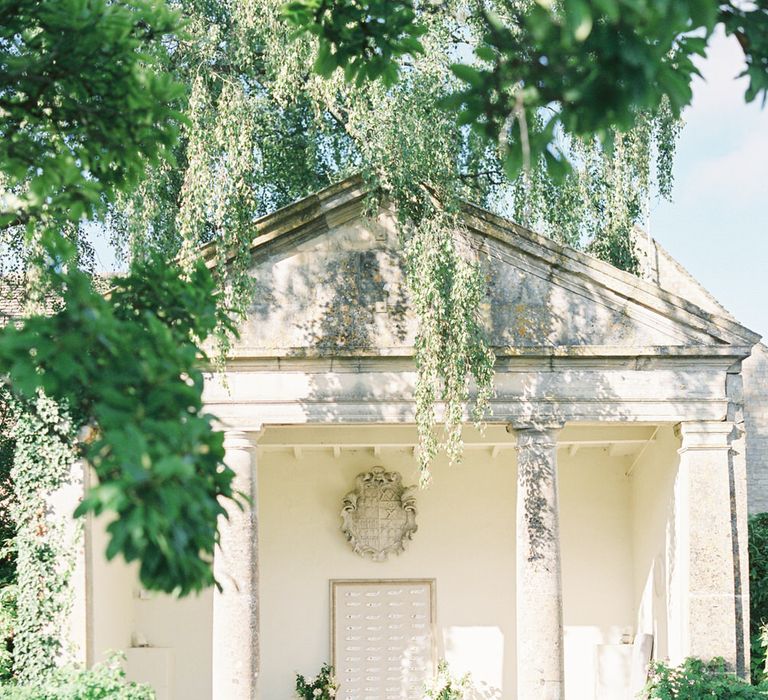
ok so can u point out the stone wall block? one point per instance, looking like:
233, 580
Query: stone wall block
708, 603
710, 638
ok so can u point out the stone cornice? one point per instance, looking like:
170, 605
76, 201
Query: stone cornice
687, 353
704, 435
313, 214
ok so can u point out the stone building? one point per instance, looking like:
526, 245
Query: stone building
600, 519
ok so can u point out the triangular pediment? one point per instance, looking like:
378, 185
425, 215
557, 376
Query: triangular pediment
330, 281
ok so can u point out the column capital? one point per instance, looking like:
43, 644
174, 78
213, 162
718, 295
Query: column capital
536, 430
236, 439
704, 435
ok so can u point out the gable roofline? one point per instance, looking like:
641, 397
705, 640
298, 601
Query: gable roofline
315, 213
343, 201
624, 284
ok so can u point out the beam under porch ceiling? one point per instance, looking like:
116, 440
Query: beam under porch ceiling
616, 438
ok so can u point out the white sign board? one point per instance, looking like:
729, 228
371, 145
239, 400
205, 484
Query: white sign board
382, 636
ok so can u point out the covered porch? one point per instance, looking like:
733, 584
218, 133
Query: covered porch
605, 501
542, 585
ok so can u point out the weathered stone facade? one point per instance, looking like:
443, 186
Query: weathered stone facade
626, 393
658, 266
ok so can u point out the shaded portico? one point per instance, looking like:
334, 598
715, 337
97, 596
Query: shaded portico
578, 344
614, 480
605, 501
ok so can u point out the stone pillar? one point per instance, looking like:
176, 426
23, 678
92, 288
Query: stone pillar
539, 586
704, 596
236, 568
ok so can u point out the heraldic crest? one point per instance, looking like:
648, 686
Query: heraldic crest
379, 516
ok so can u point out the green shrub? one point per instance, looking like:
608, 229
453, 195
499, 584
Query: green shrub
7, 624
446, 686
695, 679
758, 592
322, 687
102, 682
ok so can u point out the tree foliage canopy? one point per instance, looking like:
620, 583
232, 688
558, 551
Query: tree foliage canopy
138, 392
83, 112
592, 66
86, 109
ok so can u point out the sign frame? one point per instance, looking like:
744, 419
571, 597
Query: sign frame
337, 585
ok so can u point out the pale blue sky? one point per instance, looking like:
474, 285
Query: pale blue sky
717, 224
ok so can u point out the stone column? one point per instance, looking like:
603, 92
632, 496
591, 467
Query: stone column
236, 568
539, 587
704, 595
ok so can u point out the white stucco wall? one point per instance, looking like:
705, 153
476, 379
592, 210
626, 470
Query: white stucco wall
177, 660
595, 532
465, 541
615, 535
653, 536
184, 628
110, 588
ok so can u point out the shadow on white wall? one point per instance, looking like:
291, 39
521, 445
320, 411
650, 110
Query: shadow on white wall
478, 651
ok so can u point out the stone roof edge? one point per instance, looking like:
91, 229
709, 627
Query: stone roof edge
659, 249
762, 342
549, 352
316, 212
625, 284
340, 202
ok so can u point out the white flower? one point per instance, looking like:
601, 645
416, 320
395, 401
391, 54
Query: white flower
317, 692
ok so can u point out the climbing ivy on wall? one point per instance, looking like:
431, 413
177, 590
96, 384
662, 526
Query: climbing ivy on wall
758, 594
42, 462
7, 527
7, 539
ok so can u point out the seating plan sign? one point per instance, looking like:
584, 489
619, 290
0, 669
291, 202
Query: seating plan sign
382, 638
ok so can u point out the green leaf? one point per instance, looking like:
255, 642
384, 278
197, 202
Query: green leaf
390, 74
412, 46
704, 13
325, 63
696, 45
558, 168
609, 8
579, 18
485, 53
468, 74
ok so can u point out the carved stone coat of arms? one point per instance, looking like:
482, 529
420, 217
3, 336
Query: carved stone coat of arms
379, 516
